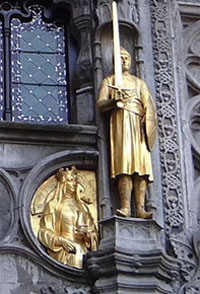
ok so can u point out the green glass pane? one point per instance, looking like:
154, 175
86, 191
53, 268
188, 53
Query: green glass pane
30, 100
40, 92
40, 100
38, 40
25, 46
40, 109
37, 68
25, 109
28, 37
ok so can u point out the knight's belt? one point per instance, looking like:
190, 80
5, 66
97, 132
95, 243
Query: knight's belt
133, 105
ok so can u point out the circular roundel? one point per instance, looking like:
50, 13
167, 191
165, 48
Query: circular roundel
42, 197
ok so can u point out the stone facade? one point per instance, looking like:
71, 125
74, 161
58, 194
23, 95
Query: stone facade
158, 256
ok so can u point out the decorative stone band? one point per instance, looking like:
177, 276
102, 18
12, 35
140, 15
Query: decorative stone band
167, 115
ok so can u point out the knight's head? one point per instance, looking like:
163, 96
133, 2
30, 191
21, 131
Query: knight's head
125, 59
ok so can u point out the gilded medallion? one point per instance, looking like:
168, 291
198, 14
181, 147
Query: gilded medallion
64, 215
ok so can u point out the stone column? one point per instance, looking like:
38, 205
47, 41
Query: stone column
84, 79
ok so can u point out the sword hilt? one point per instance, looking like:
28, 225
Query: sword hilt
118, 88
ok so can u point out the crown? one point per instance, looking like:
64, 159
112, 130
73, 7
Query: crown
62, 173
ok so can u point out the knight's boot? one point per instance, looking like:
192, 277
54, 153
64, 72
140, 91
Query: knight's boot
140, 190
125, 187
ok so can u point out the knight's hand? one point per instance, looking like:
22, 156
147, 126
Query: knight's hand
118, 95
118, 98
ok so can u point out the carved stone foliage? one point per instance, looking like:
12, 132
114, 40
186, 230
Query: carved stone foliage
186, 248
167, 116
127, 10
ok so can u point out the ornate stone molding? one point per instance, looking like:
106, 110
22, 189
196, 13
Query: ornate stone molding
136, 234
167, 116
66, 135
127, 9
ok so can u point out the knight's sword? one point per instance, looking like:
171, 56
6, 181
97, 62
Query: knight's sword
118, 81
116, 44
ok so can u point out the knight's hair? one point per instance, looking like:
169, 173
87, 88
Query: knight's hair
124, 51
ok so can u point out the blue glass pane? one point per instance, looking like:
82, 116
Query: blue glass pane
39, 89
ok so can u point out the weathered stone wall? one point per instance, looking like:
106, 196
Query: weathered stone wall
19, 274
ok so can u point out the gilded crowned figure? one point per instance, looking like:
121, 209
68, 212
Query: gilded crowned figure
132, 134
67, 229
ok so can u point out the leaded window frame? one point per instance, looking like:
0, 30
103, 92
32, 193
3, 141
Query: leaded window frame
24, 14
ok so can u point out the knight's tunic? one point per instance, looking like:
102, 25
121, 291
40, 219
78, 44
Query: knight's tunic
132, 127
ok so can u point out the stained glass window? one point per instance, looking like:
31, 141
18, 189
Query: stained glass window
39, 81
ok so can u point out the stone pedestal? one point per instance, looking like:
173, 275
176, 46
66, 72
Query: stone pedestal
130, 258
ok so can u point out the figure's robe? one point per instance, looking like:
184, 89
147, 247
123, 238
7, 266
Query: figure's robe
62, 221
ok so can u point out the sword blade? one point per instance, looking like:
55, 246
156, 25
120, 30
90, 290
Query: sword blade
116, 41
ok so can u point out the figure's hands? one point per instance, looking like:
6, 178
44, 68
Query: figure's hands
82, 233
67, 245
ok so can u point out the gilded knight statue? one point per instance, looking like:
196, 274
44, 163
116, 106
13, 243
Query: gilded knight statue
67, 229
132, 134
